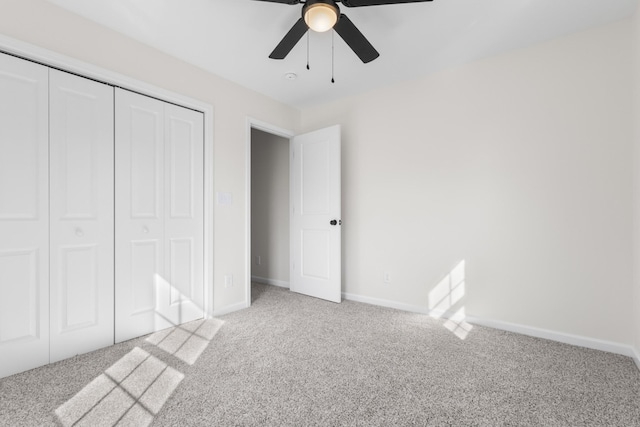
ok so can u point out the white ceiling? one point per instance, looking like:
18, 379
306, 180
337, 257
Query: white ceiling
233, 38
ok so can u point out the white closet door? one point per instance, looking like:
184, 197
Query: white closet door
81, 215
24, 216
159, 215
139, 214
182, 293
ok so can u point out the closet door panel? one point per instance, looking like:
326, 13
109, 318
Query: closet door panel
19, 316
184, 232
24, 209
139, 214
82, 217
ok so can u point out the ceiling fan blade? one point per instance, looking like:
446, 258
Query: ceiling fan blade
291, 2
290, 40
355, 39
358, 3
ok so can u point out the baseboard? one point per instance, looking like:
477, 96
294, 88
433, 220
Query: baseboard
273, 282
385, 303
562, 337
576, 340
229, 309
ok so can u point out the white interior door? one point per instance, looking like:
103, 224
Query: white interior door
159, 215
181, 294
139, 213
81, 215
315, 214
24, 216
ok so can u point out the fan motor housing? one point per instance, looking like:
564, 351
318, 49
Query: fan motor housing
310, 4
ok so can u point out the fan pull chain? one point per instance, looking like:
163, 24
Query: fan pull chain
333, 54
308, 50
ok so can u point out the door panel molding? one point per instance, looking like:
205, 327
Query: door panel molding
79, 281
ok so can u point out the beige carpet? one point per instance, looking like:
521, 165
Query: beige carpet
291, 360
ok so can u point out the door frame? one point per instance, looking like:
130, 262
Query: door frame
277, 131
52, 59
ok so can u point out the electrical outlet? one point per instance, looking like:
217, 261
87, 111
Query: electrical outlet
228, 281
258, 260
387, 277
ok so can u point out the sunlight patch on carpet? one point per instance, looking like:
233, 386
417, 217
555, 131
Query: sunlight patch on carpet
456, 323
130, 392
187, 341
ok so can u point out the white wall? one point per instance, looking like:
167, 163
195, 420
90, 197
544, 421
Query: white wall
41, 23
270, 207
519, 165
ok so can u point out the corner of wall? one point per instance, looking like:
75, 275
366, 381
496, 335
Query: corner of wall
636, 185
636, 357
231, 308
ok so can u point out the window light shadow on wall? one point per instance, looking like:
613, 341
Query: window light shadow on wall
134, 389
169, 297
446, 300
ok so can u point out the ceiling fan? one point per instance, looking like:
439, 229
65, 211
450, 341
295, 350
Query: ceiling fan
323, 15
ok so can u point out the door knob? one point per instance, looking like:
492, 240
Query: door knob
335, 222
145, 230
79, 232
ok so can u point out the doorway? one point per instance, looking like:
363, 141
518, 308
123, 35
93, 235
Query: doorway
269, 208
312, 197
268, 190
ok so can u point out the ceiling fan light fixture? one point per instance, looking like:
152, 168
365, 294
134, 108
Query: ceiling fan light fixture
320, 16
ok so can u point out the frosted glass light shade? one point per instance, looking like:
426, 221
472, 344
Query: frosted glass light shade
320, 17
